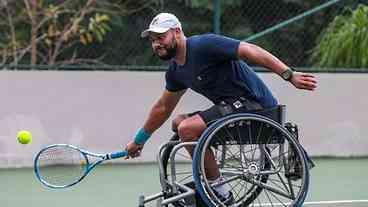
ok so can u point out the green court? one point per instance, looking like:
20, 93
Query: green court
333, 180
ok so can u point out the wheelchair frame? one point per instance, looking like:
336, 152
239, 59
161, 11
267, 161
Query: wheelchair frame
185, 194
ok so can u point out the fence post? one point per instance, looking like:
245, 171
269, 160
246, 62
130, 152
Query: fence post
216, 16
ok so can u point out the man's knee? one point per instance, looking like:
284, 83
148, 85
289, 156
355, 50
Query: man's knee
176, 122
185, 132
190, 129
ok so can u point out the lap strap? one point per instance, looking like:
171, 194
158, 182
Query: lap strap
241, 104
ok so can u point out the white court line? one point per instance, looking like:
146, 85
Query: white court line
319, 203
337, 202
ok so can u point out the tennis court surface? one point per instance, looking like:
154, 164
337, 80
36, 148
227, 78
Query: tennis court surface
334, 183
351, 203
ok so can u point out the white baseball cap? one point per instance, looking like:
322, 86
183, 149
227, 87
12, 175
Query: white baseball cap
161, 23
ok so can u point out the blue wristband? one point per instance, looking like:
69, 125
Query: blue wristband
142, 136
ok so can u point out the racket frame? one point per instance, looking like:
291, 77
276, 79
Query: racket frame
89, 166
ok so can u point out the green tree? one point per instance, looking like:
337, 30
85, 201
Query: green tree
50, 32
63, 32
345, 41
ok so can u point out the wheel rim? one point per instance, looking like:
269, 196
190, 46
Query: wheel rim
255, 185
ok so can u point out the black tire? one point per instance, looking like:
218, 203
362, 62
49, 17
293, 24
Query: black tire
259, 164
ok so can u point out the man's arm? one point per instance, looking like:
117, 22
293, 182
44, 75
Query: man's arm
263, 58
158, 114
162, 110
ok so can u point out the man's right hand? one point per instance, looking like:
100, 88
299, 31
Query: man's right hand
134, 150
304, 81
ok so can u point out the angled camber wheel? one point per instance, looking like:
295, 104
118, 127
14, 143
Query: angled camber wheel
258, 159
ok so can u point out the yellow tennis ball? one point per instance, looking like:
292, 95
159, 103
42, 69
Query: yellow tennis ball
24, 137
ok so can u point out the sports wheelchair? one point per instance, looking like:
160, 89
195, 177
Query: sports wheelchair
259, 158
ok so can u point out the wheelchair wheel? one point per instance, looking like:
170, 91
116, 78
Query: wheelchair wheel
258, 159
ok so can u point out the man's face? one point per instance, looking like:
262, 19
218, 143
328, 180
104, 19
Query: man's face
164, 45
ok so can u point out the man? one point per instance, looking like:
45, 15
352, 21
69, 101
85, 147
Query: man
213, 66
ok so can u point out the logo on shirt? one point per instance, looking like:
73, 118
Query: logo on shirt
199, 78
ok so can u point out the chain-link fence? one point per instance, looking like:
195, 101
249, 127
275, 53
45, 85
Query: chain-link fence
106, 34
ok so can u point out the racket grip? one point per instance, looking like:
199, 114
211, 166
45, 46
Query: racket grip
120, 154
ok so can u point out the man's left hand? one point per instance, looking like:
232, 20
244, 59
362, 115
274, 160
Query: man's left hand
304, 81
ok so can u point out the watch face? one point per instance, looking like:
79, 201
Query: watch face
286, 75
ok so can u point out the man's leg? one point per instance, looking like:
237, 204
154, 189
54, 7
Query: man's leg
176, 122
189, 130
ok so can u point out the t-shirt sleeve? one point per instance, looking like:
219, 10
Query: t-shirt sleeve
172, 84
220, 47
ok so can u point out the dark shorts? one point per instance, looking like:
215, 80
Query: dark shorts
228, 107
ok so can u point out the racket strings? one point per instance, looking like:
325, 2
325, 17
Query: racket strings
61, 165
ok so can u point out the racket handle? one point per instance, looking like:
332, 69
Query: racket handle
120, 154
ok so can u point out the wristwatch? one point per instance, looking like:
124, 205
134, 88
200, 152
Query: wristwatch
287, 74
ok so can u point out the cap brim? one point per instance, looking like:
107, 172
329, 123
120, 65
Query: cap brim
159, 30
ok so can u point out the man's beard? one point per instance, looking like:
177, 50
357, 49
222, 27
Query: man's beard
170, 52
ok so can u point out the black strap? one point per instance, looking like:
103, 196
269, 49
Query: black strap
231, 105
225, 109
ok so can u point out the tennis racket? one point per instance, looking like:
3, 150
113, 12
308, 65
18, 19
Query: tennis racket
63, 165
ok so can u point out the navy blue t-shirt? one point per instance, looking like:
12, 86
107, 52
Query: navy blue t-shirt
212, 69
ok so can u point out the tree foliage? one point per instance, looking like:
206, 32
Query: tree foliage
345, 41
57, 32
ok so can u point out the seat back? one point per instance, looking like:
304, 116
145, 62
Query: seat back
276, 113
252, 131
